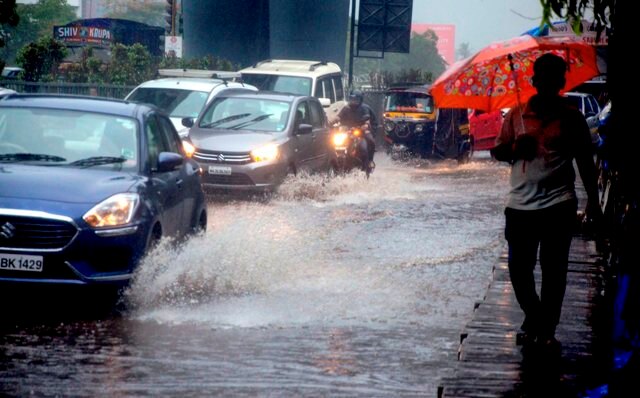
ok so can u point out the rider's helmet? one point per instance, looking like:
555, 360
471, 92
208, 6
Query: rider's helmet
355, 98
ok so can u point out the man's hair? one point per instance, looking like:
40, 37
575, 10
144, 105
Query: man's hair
549, 70
549, 65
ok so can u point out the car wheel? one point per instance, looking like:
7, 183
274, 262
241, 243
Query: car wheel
292, 170
154, 237
201, 223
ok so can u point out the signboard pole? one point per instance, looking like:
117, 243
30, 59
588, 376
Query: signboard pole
351, 41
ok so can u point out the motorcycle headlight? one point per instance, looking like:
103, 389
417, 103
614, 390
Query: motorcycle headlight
419, 128
339, 139
115, 211
188, 147
389, 126
265, 153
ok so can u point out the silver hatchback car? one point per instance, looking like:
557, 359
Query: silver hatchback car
253, 140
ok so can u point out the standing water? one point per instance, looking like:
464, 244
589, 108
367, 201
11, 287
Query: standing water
342, 286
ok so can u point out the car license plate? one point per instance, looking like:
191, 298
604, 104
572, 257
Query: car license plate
220, 170
20, 262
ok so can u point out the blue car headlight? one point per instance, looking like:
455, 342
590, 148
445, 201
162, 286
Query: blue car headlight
116, 211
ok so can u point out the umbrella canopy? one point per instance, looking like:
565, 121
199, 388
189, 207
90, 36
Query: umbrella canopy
499, 75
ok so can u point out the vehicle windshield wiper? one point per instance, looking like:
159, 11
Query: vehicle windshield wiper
225, 119
31, 156
249, 122
97, 160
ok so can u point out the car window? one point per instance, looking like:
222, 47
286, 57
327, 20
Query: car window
594, 104
337, 84
575, 101
176, 103
588, 106
155, 143
302, 114
317, 114
319, 90
173, 143
328, 89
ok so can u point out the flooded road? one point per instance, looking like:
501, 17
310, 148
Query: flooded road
330, 287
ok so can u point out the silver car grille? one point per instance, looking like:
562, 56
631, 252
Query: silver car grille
222, 157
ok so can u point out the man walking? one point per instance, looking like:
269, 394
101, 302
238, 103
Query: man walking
541, 140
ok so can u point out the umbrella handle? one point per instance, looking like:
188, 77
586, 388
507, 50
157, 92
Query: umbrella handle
515, 80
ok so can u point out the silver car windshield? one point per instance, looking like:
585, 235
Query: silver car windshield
246, 114
176, 103
68, 138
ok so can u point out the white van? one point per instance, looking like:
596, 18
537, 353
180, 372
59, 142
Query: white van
319, 79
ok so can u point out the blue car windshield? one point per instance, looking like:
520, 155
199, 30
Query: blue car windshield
255, 114
68, 138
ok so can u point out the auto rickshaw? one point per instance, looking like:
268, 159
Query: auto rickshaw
413, 123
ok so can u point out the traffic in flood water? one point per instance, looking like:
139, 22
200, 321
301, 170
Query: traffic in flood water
341, 286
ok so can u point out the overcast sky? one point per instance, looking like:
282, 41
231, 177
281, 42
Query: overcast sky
480, 22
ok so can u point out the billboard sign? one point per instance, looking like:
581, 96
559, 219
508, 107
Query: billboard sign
446, 38
83, 35
173, 46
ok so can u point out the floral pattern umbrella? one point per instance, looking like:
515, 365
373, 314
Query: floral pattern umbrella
499, 76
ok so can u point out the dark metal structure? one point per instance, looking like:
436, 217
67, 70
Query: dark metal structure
247, 31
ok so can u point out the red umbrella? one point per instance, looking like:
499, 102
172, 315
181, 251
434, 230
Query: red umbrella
499, 76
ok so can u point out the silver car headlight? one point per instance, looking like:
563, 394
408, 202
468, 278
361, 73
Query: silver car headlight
115, 211
266, 153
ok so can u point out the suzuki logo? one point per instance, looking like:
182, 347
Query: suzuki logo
220, 158
7, 231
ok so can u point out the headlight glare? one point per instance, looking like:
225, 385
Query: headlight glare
115, 211
189, 149
265, 154
339, 139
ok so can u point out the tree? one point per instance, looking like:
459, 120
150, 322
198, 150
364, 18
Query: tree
422, 63
150, 12
40, 60
35, 21
464, 51
130, 65
9, 18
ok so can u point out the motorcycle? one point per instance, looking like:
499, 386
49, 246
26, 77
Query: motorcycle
351, 149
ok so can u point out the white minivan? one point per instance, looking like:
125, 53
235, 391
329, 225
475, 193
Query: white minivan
319, 79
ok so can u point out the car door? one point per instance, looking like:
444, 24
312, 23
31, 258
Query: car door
303, 143
188, 181
319, 136
166, 186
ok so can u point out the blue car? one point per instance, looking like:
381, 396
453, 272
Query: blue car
87, 186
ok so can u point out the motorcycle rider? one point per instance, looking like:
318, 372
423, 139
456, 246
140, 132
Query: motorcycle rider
354, 115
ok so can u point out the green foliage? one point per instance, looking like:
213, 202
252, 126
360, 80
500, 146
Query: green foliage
574, 10
89, 70
35, 21
208, 62
464, 51
8, 18
130, 65
40, 60
421, 64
